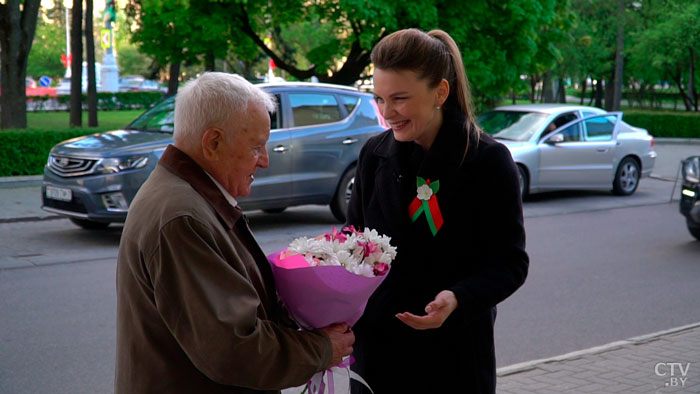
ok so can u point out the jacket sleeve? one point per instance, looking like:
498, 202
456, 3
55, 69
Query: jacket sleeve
211, 309
501, 231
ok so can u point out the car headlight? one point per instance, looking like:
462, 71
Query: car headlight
113, 165
691, 169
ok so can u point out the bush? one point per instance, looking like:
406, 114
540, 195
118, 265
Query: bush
105, 101
666, 124
25, 152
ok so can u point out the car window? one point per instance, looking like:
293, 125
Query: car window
312, 109
572, 133
350, 102
600, 128
159, 118
512, 125
276, 117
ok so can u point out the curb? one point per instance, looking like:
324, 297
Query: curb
530, 365
19, 181
677, 141
31, 219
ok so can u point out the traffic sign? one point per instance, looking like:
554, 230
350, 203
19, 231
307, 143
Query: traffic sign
44, 81
105, 38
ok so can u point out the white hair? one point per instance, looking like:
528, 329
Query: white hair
210, 101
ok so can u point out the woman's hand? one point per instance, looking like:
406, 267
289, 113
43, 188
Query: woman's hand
437, 312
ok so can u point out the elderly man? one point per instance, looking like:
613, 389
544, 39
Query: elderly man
197, 310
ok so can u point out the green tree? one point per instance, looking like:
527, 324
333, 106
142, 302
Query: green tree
49, 44
670, 47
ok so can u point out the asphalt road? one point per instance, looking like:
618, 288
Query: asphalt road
596, 276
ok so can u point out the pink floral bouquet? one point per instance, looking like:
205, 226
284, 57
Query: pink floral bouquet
328, 279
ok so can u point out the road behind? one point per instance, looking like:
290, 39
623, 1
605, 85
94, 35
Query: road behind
595, 278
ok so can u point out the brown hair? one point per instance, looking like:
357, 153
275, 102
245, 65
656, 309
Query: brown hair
433, 56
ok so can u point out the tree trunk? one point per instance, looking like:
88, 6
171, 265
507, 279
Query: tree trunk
584, 86
599, 93
547, 91
174, 79
561, 91
677, 78
92, 81
17, 29
691, 81
533, 88
512, 95
619, 48
609, 91
209, 61
76, 79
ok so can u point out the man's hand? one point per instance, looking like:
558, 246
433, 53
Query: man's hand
437, 312
342, 339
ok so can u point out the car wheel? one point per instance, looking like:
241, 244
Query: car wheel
274, 210
524, 181
339, 205
694, 229
89, 224
626, 177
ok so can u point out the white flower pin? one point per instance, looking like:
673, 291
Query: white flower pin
424, 192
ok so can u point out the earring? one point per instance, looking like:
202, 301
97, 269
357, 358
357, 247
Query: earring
437, 107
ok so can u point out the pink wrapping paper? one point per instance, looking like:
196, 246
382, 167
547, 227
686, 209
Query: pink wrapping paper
319, 296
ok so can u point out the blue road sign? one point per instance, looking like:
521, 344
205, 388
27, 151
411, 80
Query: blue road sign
44, 81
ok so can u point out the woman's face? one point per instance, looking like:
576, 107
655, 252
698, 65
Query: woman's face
409, 105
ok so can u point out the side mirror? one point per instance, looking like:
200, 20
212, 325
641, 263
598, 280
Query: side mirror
555, 139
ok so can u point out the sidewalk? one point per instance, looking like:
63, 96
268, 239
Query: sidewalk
664, 362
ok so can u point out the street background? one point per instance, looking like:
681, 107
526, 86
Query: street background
605, 271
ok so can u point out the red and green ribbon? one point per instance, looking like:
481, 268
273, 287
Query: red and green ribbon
429, 207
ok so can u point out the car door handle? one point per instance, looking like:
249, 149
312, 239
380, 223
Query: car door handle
602, 150
279, 149
349, 141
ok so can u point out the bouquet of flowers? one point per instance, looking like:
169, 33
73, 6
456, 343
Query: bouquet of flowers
328, 279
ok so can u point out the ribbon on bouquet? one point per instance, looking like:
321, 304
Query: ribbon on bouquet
316, 384
426, 202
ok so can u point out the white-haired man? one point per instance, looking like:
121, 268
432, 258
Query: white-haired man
197, 310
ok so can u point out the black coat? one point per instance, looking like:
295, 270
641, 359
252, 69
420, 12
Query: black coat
479, 254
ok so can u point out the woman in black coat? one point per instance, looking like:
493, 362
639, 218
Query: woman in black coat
448, 196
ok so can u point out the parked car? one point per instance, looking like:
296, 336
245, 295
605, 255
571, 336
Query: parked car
690, 194
558, 146
137, 83
314, 144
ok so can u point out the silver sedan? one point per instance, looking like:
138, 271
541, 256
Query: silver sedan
559, 146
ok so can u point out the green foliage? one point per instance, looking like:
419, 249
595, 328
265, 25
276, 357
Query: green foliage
666, 124
45, 55
500, 41
107, 101
24, 152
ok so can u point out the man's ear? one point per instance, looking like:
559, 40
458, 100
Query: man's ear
212, 143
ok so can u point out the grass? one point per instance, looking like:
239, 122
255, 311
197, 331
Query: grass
56, 121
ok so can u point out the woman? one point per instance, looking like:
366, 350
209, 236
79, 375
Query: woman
448, 196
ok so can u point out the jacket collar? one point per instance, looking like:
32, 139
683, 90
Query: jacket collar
180, 164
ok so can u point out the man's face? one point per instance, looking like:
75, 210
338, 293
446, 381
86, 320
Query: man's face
243, 150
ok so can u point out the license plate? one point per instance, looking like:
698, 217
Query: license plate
57, 193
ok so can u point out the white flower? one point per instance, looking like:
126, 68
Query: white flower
425, 192
350, 254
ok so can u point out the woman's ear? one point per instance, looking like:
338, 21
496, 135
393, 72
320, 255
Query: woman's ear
212, 143
442, 91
